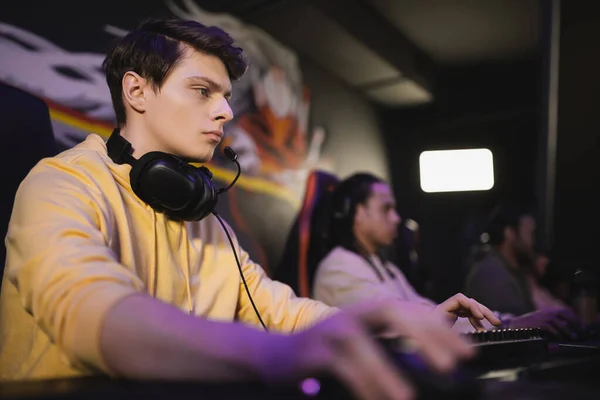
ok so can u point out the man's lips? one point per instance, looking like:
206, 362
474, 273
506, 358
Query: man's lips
216, 135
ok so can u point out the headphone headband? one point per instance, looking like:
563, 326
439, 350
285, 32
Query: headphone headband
119, 149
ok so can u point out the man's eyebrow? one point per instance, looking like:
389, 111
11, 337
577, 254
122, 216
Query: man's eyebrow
214, 86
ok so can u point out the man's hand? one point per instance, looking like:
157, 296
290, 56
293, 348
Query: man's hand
462, 306
429, 332
344, 346
560, 322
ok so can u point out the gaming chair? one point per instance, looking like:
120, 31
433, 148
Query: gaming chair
305, 245
27, 137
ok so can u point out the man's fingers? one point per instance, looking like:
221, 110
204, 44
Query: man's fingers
475, 309
350, 375
436, 354
429, 332
569, 315
547, 326
562, 326
489, 315
441, 347
460, 346
476, 323
367, 371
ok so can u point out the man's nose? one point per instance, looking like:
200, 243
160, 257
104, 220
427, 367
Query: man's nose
222, 111
396, 218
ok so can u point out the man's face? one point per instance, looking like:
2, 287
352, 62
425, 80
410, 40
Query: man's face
185, 117
541, 265
527, 232
377, 219
524, 239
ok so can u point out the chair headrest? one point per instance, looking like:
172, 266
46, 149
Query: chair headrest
313, 221
302, 247
26, 130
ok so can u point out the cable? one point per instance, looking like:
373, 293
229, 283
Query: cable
239, 265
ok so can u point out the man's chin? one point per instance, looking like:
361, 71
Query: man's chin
203, 158
386, 243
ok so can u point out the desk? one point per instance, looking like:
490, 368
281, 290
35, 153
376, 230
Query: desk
103, 388
523, 390
566, 374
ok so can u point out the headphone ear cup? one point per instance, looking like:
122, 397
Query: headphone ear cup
159, 179
343, 209
143, 178
174, 187
137, 176
205, 194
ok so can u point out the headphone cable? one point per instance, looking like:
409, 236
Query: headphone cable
239, 265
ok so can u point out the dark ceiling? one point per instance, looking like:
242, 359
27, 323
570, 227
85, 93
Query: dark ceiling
392, 50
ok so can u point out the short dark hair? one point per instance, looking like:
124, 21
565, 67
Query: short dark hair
157, 45
347, 195
505, 216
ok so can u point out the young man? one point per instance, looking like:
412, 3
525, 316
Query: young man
365, 221
498, 276
98, 281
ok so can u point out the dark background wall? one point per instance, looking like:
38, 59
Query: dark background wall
577, 195
493, 105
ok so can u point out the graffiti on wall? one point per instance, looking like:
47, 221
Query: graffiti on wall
270, 132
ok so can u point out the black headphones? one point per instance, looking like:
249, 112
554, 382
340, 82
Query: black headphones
342, 209
167, 183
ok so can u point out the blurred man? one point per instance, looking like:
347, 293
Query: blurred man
500, 276
364, 222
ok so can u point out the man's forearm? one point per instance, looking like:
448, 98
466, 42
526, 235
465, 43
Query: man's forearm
144, 338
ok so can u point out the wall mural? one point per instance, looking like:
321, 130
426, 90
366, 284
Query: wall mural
270, 132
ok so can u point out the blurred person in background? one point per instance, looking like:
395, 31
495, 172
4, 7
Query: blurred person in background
542, 297
364, 223
504, 275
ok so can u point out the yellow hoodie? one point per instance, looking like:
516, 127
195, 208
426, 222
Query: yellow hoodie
79, 240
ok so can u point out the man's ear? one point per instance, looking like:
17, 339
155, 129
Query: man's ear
359, 214
135, 91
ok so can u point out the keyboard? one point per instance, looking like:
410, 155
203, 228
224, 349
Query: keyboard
508, 344
502, 335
